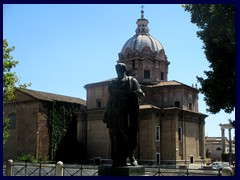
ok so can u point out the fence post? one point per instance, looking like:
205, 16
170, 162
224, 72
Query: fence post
227, 171
59, 169
9, 168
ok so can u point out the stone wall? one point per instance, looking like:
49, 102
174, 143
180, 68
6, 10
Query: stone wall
98, 141
23, 137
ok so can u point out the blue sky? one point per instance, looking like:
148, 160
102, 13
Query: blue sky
61, 48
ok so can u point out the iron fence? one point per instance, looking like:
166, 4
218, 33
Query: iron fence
32, 169
44, 169
4, 169
169, 171
80, 170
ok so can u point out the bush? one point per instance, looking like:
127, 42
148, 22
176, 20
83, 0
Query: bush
26, 158
42, 159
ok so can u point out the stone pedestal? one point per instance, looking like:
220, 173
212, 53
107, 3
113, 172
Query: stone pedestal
107, 170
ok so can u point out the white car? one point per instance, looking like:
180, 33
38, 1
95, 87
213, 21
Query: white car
219, 165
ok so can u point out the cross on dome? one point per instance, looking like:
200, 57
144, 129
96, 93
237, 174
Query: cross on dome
142, 12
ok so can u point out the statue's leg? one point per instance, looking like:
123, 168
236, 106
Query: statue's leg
113, 137
122, 148
119, 147
132, 137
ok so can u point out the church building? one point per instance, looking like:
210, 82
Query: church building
171, 129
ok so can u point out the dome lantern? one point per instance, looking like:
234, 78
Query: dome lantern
142, 25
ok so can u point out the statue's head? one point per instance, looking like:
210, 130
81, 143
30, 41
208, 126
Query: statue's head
121, 66
121, 69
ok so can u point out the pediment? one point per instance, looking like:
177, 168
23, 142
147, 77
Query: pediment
147, 63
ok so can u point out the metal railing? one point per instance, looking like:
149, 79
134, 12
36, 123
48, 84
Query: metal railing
59, 169
80, 170
170, 171
43, 169
28, 169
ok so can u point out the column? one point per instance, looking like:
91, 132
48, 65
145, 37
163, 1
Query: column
230, 146
202, 139
223, 139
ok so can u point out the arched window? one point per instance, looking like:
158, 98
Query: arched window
218, 149
12, 121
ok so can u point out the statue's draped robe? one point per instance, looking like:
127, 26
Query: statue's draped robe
122, 117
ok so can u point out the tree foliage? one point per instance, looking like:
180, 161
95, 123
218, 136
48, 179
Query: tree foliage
9, 78
10, 82
216, 23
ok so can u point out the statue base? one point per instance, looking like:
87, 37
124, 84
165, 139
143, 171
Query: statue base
108, 170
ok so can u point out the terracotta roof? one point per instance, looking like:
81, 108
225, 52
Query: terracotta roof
161, 84
148, 106
214, 139
99, 83
53, 97
169, 83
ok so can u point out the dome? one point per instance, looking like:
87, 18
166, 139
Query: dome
142, 41
138, 42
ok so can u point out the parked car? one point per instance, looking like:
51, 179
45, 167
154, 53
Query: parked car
219, 165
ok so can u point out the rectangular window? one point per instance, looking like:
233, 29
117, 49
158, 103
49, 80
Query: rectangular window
157, 158
162, 76
146, 74
177, 104
157, 133
190, 106
12, 121
180, 134
98, 103
133, 64
191, 159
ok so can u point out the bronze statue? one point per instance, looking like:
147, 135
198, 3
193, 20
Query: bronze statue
122, 116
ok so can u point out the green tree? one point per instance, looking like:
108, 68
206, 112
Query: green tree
216, 23
10, 83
